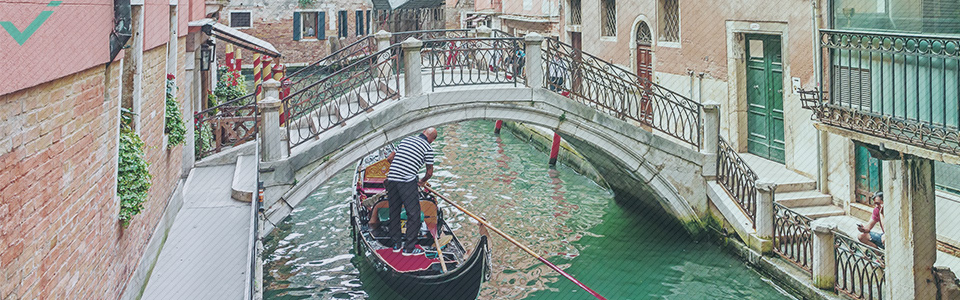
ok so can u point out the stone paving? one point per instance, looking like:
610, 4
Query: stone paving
205, 255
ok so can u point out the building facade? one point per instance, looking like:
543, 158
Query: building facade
516, 18
304, 31
60, 233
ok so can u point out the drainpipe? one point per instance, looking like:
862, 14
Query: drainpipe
690, 72
821, 135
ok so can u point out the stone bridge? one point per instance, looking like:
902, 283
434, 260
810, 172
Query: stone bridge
647, 152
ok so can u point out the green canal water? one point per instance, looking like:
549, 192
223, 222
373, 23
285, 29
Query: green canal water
618, 248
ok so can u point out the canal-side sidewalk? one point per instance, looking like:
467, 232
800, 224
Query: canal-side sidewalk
205, 255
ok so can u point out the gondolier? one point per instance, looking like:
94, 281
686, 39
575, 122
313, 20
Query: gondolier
413, 153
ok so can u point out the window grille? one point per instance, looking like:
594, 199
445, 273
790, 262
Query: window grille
852, 87
670, 21
644, 36
609, 18
240, 19
575, 17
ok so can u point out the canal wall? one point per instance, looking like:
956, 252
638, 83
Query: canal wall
542, 139
60, 236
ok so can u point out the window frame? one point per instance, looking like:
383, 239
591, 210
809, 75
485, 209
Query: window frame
316, 32
662, 37
250, 12
604, 14
343, 24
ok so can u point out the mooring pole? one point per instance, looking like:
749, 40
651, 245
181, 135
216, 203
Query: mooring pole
555, 149
496, 130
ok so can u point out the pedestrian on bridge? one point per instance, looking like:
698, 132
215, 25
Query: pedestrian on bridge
867, 236
402, 187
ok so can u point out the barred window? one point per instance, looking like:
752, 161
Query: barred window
608, 17
670, 20
240, 19
575, 18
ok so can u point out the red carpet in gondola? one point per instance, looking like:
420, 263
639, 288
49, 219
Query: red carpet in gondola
405, 264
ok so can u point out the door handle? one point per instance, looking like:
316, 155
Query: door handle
756, 87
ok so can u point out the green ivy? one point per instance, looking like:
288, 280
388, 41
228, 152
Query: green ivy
133, 177
305, 3
173, 122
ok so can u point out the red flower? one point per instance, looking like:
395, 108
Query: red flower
170, 77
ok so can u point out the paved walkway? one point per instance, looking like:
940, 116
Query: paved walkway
205, 253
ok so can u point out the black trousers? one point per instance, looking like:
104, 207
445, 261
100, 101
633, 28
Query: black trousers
406, 195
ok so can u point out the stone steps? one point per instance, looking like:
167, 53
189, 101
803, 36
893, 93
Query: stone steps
816, 212
244, 179
803, 199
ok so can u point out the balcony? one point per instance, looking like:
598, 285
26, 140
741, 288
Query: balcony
898, 87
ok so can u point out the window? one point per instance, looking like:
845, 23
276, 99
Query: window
917, 16
342, 30
240, 19
309, 25
947, 177
608, 17
369, 22
575, 17
359, 27
670, 20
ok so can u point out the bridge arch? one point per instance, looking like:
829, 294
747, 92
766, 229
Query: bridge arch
649, 167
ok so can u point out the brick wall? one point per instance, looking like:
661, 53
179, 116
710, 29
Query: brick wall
58, 148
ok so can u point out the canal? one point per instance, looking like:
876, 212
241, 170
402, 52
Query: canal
618, 248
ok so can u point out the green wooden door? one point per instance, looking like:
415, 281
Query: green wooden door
765, 97
868, 173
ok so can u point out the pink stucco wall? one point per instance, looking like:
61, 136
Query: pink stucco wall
75, 37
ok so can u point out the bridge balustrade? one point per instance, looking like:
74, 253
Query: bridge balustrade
226, 125
860, 268
618, 92
470, 61
793, 237
738, 179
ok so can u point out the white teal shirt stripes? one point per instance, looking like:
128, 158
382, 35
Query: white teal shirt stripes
412, 154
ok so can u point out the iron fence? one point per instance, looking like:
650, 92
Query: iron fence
897, 86
331, 63
860, 268
470, 61
348, 92
792, 237
618, 92
429, 35
738, 179
226, 125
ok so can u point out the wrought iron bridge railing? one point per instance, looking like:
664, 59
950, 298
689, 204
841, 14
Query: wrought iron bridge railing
738, 179
896, 86
792, 237
325, 66
338, 97
429, 35
860, 268
226, 125
618, 92
470, 61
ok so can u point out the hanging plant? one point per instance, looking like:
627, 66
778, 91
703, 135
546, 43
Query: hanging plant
173, 122
133, 176
204, 137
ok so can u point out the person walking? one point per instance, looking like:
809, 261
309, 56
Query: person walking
402, 188
873, 239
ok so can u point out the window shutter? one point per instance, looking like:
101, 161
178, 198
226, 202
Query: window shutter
369, 22
321, 25
296, 26
359, 27
852, 87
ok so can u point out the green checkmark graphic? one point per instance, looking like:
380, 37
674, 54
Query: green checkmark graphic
22, 36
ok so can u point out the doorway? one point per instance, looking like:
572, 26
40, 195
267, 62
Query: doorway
868, 172
645, 69
764, 74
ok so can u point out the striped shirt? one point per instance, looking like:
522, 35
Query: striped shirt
412, 154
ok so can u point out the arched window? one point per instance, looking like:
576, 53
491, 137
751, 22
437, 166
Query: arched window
644, 37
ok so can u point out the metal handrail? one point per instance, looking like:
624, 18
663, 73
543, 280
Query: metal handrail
616, 91
738, 179
860, 268
792, 237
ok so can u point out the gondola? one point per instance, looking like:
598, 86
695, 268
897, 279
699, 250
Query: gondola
421, 276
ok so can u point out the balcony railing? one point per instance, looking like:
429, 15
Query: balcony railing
896, 86
860, 268
226, 125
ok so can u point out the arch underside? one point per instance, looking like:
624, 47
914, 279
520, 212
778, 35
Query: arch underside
648, 167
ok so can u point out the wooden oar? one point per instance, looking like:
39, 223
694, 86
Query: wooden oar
518, 244
436, 241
